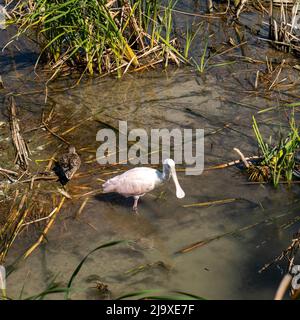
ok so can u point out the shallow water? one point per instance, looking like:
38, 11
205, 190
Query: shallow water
222, 103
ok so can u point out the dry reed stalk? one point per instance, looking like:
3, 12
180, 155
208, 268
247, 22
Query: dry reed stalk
201, 243
232, 232
46, 229
240, 7
44, 124
41, 219
8, 171
210, 203
232, 163
39, 178
282, 29
55, 134
277, 76
90, 193
256, 80
134, 25
81, 207
77, 125
64, 193
13, 215
12, 227
22, 151
16, 231
246, 163
210, 6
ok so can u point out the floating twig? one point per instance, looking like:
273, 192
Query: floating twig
240, 7
232, 163
81, 207
210, 203
38, 178
201, 243
8, 171
247, 165
44, 125
41, 219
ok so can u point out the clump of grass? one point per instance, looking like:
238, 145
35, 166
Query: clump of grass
205, 58
201, 66
100, 36
278, 161
189, 38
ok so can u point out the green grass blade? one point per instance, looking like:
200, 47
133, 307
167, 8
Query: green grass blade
78, 268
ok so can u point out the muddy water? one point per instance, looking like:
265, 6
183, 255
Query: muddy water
222, 103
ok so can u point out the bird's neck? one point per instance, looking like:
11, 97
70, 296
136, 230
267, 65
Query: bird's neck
166, 173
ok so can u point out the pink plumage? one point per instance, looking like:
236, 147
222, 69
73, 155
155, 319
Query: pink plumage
138, 181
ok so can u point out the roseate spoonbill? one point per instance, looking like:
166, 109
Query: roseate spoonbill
67, 165
138, 181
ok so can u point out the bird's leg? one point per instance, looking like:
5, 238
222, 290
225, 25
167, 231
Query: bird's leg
136, 199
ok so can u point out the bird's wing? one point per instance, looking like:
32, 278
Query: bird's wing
64, 161
75, 161
74, 164
136, 181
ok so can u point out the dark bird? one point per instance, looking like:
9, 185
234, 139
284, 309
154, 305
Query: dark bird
67, 165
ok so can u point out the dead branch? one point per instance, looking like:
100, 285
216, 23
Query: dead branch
13, 173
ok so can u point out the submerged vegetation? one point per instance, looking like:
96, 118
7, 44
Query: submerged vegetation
278, 162
54, 287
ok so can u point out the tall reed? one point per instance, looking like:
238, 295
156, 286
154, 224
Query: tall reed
99, 36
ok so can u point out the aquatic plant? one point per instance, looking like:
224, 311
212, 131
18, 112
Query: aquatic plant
204, 63
100, 36
55, 287
278, 160
201, 66
189, 38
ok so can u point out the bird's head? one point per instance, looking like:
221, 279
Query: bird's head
169, 164
72, 149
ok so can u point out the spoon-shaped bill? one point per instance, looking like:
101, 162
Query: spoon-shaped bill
179, 192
